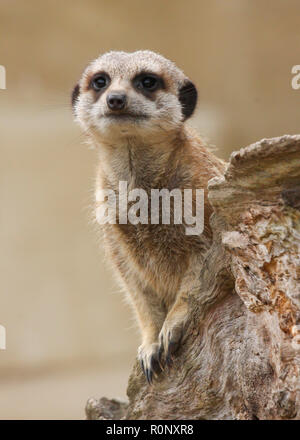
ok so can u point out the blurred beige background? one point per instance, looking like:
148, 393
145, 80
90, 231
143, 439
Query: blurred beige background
69, 335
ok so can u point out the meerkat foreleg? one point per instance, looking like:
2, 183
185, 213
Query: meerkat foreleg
151, 314
172, 330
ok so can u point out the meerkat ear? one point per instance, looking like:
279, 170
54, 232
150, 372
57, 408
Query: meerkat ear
75, 94
188, 98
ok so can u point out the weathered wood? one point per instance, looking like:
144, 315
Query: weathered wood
241, 352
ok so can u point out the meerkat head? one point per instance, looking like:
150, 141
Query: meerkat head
127, 94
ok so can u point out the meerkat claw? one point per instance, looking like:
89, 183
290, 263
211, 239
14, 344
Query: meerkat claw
149, 360
149, 376
169, 342
142, 366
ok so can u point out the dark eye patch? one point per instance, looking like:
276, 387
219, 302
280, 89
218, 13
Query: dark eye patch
147, 83
99, 82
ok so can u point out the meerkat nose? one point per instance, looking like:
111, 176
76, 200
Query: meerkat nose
116, 101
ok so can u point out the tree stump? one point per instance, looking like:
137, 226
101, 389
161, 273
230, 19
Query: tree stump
240, 356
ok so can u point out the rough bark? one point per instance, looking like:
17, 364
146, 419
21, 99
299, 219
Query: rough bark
240, 356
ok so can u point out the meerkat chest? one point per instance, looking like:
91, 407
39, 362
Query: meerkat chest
158, 256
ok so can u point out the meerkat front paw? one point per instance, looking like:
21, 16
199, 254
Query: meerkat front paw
148, 355
169, 339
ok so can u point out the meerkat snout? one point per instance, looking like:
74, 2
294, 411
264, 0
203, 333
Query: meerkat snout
116, 101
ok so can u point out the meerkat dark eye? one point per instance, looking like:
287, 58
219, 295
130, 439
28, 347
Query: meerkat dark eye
149, 83
99, 82
146, 83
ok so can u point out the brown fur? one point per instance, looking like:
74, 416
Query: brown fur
158, 265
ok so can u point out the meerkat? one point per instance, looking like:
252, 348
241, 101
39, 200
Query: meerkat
133, 108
